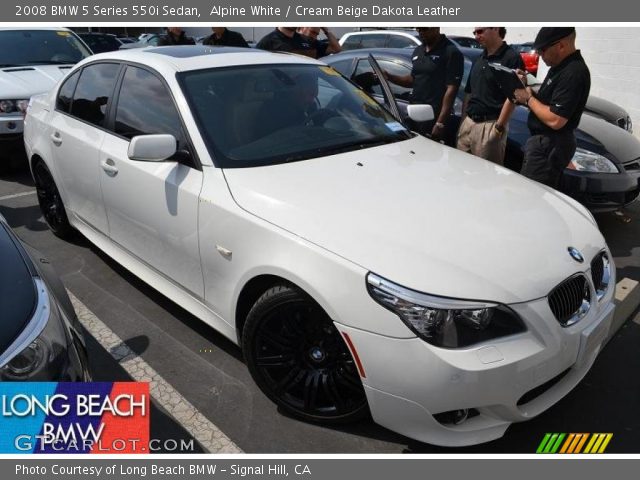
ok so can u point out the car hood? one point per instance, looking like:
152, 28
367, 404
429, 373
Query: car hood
427, 217
605, 109
23, 82
599, 136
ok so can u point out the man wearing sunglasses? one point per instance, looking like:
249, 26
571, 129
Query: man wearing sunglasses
486, 110
556, 108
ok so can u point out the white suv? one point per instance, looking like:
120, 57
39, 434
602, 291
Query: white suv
380, 39
32, 60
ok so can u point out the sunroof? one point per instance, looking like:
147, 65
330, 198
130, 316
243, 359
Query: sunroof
186, 51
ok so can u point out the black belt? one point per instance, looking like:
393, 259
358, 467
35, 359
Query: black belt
483, 118
554, 133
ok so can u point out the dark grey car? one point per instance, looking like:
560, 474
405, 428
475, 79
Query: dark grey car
41, 338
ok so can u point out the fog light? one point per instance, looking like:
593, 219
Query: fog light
452, 417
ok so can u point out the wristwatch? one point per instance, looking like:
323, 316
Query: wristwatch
439, 124
499, 129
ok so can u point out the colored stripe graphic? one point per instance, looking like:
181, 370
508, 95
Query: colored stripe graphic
550, 443
581, 443
91, 417
574, 443
565, 447
543, 443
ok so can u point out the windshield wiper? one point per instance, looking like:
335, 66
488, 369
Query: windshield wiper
9, 65
360, 144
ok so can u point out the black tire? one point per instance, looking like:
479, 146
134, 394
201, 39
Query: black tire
50, 202
299, 360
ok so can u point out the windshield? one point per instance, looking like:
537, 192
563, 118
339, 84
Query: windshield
40, 47
270, 114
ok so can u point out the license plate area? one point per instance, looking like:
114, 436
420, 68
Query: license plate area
592, 338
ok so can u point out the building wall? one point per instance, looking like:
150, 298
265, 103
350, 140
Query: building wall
613, 57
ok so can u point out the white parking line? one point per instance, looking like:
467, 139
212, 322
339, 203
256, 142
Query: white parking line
16, 195
206, 433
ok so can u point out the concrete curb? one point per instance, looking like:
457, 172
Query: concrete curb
627, 299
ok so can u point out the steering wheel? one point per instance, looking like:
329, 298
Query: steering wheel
319, 117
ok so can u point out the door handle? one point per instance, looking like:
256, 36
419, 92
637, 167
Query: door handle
109, 167
55, 138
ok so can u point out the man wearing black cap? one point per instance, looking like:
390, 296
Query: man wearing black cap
556, 108
437, 71
486, 109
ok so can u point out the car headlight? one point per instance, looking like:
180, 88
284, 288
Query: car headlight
445, 322
40, 352
14, 106
586, 161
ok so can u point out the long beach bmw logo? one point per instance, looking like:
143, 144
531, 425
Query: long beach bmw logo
575, 254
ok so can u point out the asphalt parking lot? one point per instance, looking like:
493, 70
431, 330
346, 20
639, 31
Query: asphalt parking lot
207, 386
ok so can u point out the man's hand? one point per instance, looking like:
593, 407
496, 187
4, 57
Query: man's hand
523, 95
522, 75
437, 131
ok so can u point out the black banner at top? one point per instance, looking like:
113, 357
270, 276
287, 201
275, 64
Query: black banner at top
308, 11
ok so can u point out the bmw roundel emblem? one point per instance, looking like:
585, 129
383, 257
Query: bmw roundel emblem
575, 254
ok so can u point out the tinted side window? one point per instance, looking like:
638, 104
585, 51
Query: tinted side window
398, 41
95, 87
392, 67
352, 42
145, 107
375, 40
65, 94
101, 43
343, 66
397, 69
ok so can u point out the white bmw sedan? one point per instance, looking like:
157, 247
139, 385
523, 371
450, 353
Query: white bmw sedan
360, 267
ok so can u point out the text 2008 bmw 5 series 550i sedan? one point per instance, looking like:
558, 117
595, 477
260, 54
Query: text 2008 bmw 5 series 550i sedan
360, 267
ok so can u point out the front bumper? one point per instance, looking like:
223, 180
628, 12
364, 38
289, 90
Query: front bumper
12, 150
511, 379
11, 125
601, 192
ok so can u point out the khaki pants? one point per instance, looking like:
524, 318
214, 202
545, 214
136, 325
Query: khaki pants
482, 140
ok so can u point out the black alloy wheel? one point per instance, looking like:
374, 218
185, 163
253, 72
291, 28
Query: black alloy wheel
50, 201
299, 359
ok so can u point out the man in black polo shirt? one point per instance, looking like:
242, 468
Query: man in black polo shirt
437, 71
223, 37
284, 39
486, 109
320, 47
556, 108
175, 36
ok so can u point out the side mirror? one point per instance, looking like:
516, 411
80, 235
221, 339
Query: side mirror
420, 113
152, 148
